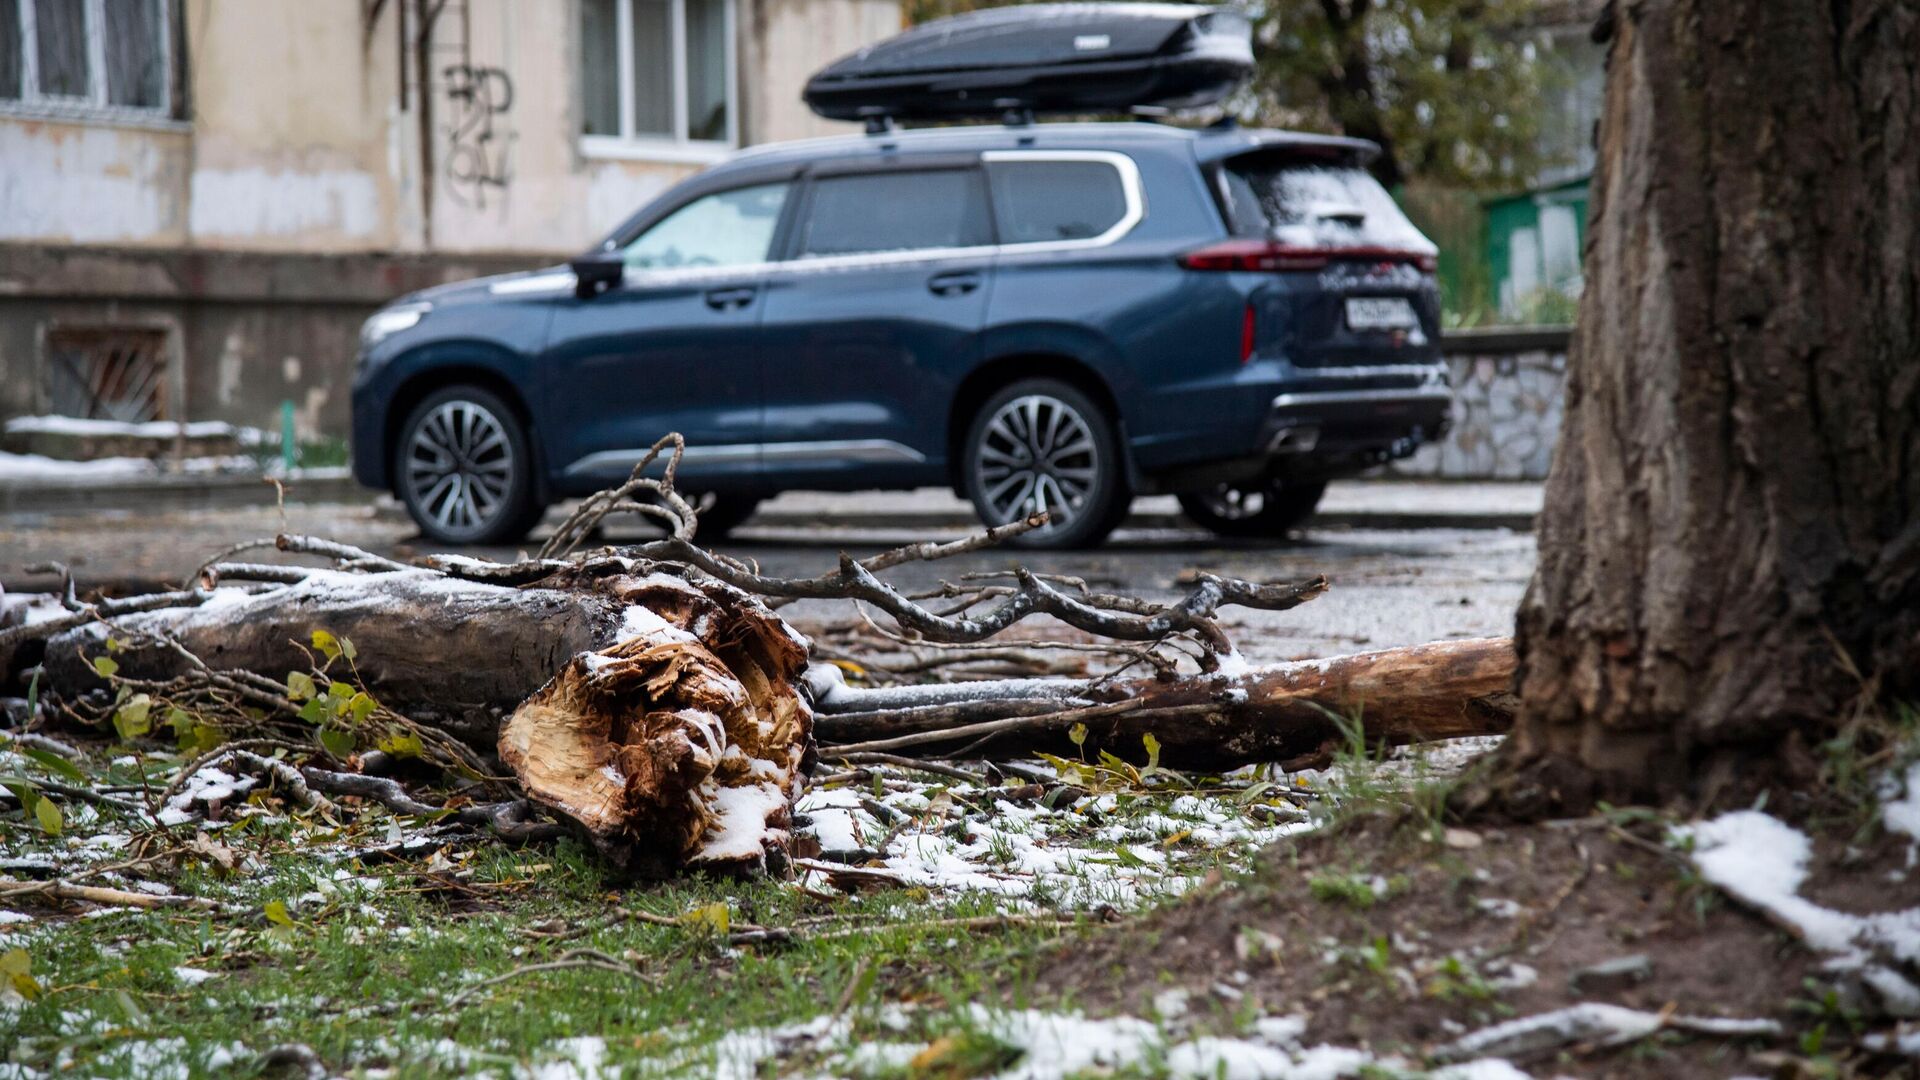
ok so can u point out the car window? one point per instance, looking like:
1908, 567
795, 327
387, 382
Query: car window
1314, 205
903, 211
1038, 201
728, 228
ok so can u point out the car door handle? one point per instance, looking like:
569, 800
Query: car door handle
727, 299
954, 284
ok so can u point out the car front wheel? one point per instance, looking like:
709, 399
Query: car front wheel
465, 469
1261, 508
1043, 444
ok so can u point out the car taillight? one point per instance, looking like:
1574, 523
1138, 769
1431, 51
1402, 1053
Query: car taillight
1269, 255
1246, 335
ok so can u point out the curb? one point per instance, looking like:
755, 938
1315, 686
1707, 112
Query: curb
174, 493
166, 493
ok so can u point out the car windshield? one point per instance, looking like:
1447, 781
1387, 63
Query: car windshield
1314, 204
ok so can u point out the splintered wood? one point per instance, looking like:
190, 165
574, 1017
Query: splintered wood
681, 743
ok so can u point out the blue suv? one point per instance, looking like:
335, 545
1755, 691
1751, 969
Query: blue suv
1042, 316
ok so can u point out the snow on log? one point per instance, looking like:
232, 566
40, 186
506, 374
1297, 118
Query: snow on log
459, 654
682, 742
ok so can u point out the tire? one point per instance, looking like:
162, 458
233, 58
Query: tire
464, 468
1082, 479
721, 514
1258, 509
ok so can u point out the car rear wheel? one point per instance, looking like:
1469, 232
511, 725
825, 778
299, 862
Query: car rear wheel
1043, 444
1256, 509
465, 468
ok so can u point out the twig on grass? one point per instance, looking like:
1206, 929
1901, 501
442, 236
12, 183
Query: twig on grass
572, 958
95, 894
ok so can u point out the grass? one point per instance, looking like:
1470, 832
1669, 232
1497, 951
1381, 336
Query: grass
361, 955
370, 963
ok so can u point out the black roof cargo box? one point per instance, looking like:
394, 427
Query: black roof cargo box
1077, 58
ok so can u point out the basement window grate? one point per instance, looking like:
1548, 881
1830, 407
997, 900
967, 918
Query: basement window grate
107, 373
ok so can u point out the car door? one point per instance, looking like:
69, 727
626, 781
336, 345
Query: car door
873, 320
675, 346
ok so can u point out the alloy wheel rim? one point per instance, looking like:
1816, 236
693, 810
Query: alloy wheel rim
1037, 453
459, 466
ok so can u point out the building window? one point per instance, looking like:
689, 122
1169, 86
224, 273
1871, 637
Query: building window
86, 57
657, 77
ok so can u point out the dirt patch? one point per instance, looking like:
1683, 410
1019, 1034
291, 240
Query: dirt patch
1398, 938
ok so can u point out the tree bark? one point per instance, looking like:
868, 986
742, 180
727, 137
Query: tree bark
1730, 546
500, 654
1291, 713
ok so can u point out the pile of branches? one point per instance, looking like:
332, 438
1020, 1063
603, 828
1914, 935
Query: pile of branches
651, 698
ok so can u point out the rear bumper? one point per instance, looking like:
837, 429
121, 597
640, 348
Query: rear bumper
1386, 422
1329, 422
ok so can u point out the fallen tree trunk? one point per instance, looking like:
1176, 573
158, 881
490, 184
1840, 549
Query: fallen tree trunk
659, 714
1291, 713
507, 643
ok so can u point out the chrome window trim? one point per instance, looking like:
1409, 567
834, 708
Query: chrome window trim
1129, 171
1124, 165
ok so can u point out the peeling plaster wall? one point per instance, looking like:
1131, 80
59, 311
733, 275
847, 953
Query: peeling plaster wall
294, 198
77, 184
300, 140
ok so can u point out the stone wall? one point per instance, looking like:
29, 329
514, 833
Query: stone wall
1506, 406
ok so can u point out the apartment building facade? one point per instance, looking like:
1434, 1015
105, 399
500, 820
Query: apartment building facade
200, 200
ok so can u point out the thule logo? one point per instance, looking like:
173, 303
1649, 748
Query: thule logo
1091, 42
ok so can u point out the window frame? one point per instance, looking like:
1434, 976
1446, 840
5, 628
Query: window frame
803, 218
1122, 164
648, 146
95, 106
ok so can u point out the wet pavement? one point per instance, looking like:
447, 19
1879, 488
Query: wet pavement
1390, 587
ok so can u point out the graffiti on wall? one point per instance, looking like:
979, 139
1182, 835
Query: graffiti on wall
1506, 418
480, 142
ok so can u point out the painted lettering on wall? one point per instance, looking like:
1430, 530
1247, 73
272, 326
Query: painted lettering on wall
480, 142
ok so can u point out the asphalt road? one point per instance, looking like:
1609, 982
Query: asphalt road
1389, 587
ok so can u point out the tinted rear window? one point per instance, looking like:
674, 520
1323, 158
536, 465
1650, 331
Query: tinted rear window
1038, 201
906, 211
1314, 205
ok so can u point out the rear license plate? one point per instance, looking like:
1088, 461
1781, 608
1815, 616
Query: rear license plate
1381, 313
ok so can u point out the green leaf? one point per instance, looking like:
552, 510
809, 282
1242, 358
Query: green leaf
714, 916
1078, 734
47, 812
276, 912
1153, 750
17, 968
105, 666
336, 742
314, 711
339, 691
328, 645
53, 763
133, 719
347, 650
403, 744
202, 738
300, 686
361, 707
33, 697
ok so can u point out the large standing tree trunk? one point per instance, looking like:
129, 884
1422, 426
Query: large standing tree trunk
1732, 524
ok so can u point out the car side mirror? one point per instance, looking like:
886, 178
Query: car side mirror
596, 272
